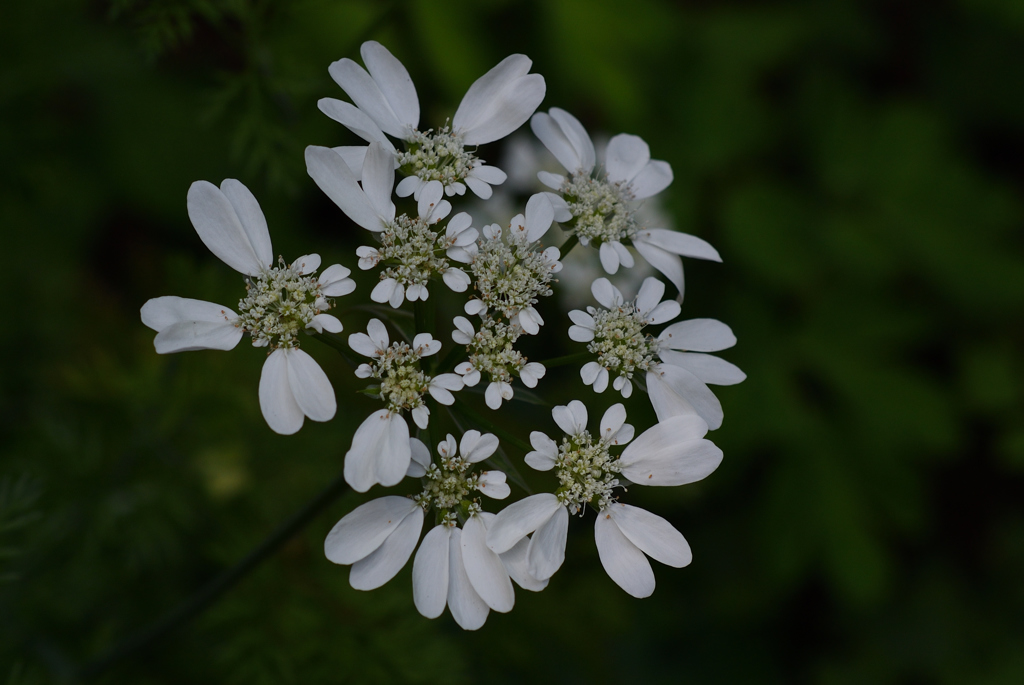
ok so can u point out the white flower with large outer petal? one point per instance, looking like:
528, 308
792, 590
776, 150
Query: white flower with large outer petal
386, 104
231, 224
673, 452
603, 206
677, 370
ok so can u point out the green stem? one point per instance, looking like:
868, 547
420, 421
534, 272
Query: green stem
213, 590
567, 246
567, 359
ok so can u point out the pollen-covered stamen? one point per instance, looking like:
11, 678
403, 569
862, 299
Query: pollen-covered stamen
491, 351
412, 251
619, 342
587, 473
436, 156
278, 304
600, 210
510, 275
402, 382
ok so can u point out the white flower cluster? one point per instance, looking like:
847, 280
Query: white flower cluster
469, 559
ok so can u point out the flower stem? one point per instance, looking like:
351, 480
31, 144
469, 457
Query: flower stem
567, 359
213, 590
567, 246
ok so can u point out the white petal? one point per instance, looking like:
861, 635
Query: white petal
601, 382
665, 311
397, 296
625, 257
590, 372
354, 155
484, 569
667, 263
365, 528
679, 243
420, 458
652, 179
517, 567
543, 444
430, 573
333, 176
306, 264
547, 546
666, 455
519, 519
650, 295
416, 292
322, 322
581, 318
499, 102
698, 335
183, 324
609, 258
605, 293
251, 217
489, 174
380, 452
625, 156
429, 197
408, 186
456, 279
378, 333
361, 344
560, 206
653, 535
622, 560
492, 396
221, 230
479, 188
528, 322
384, 290
568, 420
492, 484
612, 421
706, 367
365, 92
539, 215
355, 120
421, 416
557, 142
477, 446
381, 565
379, 180
468, 609
394, 82
334, 281
277, 401
531, 373
310, 386
578, 137
553, 181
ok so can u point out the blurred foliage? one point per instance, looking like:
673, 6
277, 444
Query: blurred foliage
859, 164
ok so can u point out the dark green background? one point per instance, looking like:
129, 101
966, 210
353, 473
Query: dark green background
858, 164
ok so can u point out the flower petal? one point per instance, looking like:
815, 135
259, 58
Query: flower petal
625, 156
333, 176
355, 120
679, 243
698, 335
651, 180
666, 262
547, 546
420, 458
378, 333
379, 180
366, 94
484, 569
381, 565
277, 401
607, 295
674, 383
310, 386
467, 607
221, 230
550, 133
183, 324
394, 82
650, 294
517, 566
706, 367
380, 451
430, 573
667, 454
251, 217
577, 136
493, 484
499, 102
665, 311
653, 535
612, 420
519, 519
622, 560
365, 528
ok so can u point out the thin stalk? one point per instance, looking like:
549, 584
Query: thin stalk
567, 359
212, 591
567, 246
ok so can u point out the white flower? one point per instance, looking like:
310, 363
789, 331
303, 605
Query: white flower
624, 534
676, 380
386, 104
672, 452
380, 452
280, 302
491, 352
453, 567
603, 207
409, 245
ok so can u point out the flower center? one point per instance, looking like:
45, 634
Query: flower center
402, 382
600, 210
412, 251
586, 472
510, 276
436, 156
448, 485
491, 352
278, 304
619, 342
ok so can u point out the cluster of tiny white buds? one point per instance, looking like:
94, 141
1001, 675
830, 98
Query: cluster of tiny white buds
283, 300
437, 156
451, 486
492, 352
601, 210
621, 346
